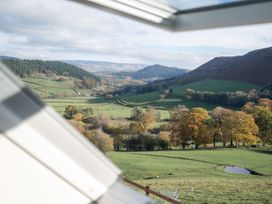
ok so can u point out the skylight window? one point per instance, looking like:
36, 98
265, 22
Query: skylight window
193, 4
182, 15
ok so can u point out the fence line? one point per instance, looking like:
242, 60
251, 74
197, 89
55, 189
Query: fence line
148, 191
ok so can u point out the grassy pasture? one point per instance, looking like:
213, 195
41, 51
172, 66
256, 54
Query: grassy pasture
50, 86
214, 86
100, 105
153, 99
199, 176
178, 97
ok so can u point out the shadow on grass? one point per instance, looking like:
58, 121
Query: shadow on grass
100, 100
252, 172
183, 158
262, 151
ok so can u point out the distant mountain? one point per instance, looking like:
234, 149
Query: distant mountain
2, 57
254, 67
155, 72
105, 67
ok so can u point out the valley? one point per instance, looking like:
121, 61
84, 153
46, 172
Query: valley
174, 130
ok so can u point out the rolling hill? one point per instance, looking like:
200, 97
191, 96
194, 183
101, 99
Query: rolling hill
154, 72
254, 67
53, 79
28, 67
3, 57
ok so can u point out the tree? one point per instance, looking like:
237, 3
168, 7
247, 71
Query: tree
179, 120
135, 113
149, 142
73, 112
118, 135
145, 121
240, 127
266, 102
177, 112
101, 121
80, 126
218, 115
78, 116
189, 93
195, 125
87, 112
164, 140
263, 118
100, 139
207, 132
70, 111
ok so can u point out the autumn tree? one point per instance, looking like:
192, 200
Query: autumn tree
87, 112
100, 139
218, 115
101, 121
177, 112
144, 121
266, 102
164, 140
118, 134
263, 118
73, 112
208, 132
195, 123
78, 116
70, 111
240, 127
179, 120
136, 112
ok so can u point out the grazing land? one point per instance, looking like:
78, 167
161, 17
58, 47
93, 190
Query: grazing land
215, 86
198, 175
177, 97
100, 105
49, 87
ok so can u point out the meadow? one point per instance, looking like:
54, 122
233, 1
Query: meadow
100, 105
49, 86
178, 97
198, 175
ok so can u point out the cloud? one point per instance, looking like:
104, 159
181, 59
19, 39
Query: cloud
50, 29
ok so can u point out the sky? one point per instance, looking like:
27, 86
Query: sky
64, 30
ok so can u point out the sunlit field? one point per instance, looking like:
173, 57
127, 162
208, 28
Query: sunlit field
198, 175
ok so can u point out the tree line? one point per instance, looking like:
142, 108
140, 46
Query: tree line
234, 99
252, 125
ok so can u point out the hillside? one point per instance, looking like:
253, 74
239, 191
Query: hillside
154, 72
2, 57
53, 87
27, 67
254, 67
53, 79
101, 67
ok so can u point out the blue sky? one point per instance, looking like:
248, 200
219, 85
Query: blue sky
59, 29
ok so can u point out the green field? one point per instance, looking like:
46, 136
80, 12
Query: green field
100, 105
198, 175
214, 86
178, 97
49, 86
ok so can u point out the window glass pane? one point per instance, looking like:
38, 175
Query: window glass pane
191, 4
